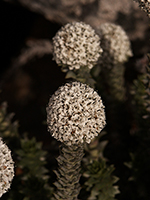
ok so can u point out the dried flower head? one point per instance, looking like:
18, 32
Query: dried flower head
6, 168
115, 43
75, 113
75, 45
144, 5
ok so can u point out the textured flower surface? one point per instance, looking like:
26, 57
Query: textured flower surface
75, 114
75, 45
144, 5
115, 43
6, 168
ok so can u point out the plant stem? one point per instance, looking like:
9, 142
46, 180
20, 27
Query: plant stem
68, 173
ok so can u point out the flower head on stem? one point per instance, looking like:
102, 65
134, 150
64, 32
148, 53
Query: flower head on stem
6, 168
76, 45
75, 114
115, 44
144, 5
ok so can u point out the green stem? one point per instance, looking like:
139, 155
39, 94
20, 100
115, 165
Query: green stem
68, 173
115, 83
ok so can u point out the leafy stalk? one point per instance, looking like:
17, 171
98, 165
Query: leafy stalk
68, 173
100, 181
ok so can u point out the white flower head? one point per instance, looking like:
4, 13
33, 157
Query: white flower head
75, 114
6, 168
76, 45
144, 5
115, 43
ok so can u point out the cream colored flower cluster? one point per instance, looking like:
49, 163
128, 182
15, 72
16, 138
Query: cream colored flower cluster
75, 114
144, 5
115, 44
76, 45
6, 168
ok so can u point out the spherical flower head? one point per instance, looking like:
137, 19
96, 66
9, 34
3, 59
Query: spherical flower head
144, 5
75, 114
115, 43
76, 45
6, 168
